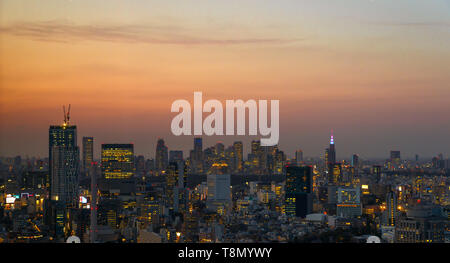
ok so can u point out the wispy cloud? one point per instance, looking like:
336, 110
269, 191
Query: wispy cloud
412, 24
62, 31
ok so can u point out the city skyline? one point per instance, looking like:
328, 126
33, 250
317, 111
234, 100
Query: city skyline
246, 144
244, 125
376, 72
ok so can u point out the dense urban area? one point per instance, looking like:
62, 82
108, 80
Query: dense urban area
217, 195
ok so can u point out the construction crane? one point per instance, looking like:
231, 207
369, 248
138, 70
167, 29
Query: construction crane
66, 115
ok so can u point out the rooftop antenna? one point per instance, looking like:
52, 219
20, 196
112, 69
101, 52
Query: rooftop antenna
332, 137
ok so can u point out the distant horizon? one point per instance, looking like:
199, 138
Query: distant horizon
212, 142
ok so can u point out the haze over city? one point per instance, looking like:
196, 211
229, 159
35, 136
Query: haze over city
376, 72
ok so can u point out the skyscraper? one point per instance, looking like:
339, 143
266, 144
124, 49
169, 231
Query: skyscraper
64, 182
256, 154
238, 155
64, 157
298, 199
332, 150
331, 161
355, 160
117, 161
88, 153
197, 155
172, 177
391, 209
63, 163
161, 156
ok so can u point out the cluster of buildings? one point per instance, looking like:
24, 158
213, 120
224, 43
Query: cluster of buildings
217, 195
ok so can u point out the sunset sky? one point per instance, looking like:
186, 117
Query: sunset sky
376, 72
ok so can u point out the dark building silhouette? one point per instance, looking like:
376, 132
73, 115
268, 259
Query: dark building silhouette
161, 156
298, 199
88, 154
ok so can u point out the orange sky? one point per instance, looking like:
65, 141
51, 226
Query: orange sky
379, 78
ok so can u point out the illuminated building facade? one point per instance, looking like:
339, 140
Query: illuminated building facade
348, 202
238, 155
298, 196
172, 177
219, 192
88, 153
117, 161
63, 164
336, 173
330, 161
64, 186
422, 224
391, 209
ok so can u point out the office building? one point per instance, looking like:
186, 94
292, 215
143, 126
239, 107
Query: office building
219, 192
161, 156
88, 153
64, 163
117, 161
391, 213
348, 202
298, 197
238, 156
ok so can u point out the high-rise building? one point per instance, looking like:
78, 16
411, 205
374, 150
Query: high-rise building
299, 157
197, 155
172, 176
256, 154
139, 163
64, 158
298, 199
330, 160
335, 177
219, 149
355, 160
219, 192
161, 156
117, 161
376, 171
88, 153
238, 155
332, 150
395, 159
391, 209
175, 156
64, 182
348, 202
64, 163
422, 224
